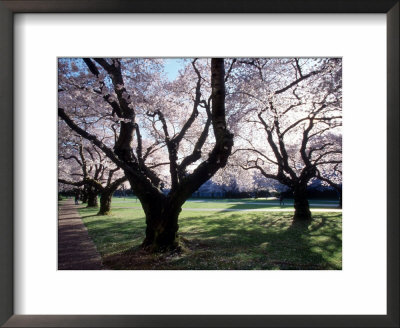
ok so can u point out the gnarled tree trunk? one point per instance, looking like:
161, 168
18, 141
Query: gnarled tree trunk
106, 194
301, 205
84, 196
92, 198
162, 226
105, 203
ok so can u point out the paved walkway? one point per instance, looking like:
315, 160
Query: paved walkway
76, 251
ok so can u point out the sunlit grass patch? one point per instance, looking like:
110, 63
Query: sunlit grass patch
241, 203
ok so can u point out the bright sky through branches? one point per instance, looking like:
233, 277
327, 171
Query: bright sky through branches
172, 67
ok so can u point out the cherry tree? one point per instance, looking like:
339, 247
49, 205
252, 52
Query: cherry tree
82, 164
289, 124
157, 132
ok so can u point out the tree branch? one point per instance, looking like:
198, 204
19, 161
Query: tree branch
93, 139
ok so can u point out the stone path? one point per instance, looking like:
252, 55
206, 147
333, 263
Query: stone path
76, 251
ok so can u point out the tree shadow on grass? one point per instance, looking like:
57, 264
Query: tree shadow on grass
266, 242
291, 249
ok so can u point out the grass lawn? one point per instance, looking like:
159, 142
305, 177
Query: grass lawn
242, 203
221, 240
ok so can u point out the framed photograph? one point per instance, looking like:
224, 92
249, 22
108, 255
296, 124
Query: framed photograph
67, 54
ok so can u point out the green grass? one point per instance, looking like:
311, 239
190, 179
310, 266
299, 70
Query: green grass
243, 203
221, 240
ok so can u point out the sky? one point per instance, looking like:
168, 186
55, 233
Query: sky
172, 66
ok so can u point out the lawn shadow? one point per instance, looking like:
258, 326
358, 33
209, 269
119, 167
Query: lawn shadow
308, 245
264, 242
290, 249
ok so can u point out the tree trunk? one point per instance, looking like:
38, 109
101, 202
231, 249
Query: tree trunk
161, 225
301, 205
106, 196
92, 199
105, 203
84, 196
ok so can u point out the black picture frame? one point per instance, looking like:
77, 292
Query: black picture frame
10, 7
